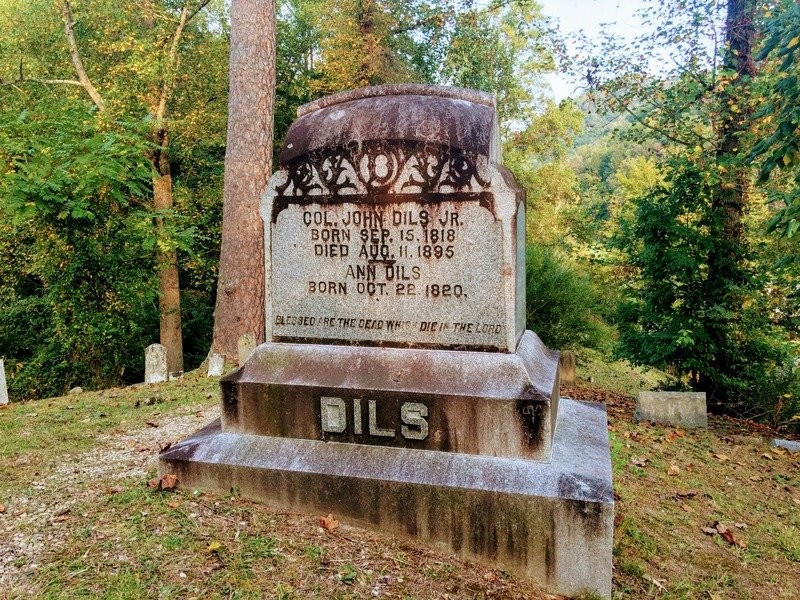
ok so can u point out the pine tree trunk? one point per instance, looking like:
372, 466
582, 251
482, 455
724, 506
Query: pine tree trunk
248, 165
169, 300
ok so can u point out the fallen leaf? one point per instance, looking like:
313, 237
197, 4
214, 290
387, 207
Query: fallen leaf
490, 576
2, 508
165, 447
796, 500
174, 504
722, 457
714, 596
756, 478
638, 462
328, 523
740, 525
768, 456
165, 482
657, 583
686, 508
673, 470
214, 547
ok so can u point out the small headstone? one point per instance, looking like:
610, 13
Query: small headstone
247, 343
681, 409
216, 365
3, 388
567, 367
75, 391
789, 445
155, 364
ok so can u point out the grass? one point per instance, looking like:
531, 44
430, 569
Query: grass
121, 539
619, 375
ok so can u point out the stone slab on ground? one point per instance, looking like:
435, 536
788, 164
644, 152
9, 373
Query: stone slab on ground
680, 409
789, 445
550, 521
3, 388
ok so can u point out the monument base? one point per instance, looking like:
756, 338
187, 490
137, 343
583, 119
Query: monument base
551, 522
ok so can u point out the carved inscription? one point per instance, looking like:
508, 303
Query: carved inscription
335, 417
408, 272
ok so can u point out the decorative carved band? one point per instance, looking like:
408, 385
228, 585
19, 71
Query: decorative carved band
384, 168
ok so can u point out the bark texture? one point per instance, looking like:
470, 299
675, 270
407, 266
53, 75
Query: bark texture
248, 165
169, 299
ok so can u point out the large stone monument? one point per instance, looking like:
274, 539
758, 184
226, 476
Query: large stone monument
398, 387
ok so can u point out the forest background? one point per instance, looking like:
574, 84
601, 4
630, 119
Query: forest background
663, 205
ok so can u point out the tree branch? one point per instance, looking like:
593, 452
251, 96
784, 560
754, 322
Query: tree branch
172, 65
85, 82
43, 81
643, 123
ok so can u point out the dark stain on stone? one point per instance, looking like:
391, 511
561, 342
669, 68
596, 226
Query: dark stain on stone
531, 417
590, 515
483, 533
230, 402
550, 558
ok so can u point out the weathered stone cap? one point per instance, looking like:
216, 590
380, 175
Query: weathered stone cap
527, 374
447, 116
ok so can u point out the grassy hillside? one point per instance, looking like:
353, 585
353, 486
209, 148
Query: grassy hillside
712, 514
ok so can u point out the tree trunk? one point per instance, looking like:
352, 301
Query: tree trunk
248, 165
731, 199
726, 262
169, 299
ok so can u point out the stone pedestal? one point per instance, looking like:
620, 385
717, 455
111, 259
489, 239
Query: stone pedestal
551, 521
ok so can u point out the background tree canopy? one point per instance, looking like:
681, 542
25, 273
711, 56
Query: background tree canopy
662, 204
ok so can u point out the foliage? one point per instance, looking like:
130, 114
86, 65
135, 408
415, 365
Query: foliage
78, 284
697, 271
504, 50
561, 301
781, 149
672, 316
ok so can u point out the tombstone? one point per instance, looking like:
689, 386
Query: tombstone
680, 409
566, 363
3, 387
216, 365
398, 387
790, 445
246, 344
155, 363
